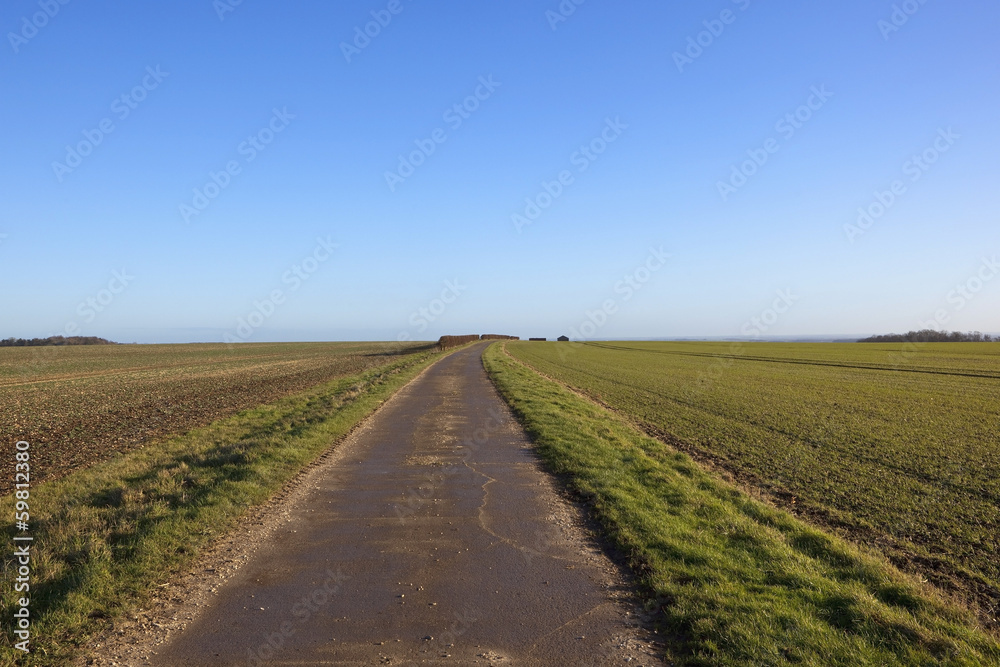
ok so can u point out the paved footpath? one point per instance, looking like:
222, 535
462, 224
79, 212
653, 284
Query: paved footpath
435, 540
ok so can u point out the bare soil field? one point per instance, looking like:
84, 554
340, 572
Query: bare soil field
83, 404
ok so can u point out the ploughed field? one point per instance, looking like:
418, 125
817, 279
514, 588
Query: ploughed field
82, 404
897, 447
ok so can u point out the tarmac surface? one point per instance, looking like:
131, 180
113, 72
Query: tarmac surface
436, 539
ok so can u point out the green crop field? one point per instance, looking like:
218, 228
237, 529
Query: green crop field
896, 448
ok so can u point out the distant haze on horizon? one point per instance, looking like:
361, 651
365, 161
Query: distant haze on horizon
210, 171
212, 337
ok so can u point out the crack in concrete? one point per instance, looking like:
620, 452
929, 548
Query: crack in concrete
575, 619
529, 552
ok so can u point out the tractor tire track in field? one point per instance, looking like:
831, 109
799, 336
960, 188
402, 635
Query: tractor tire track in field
430, 536
804, 362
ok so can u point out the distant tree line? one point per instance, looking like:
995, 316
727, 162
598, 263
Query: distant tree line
932, 336
55, 340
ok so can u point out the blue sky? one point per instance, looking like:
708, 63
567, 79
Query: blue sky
641, 136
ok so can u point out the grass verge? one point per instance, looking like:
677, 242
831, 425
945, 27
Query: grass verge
104, 536
738, 582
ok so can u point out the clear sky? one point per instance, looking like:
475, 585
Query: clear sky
589, 142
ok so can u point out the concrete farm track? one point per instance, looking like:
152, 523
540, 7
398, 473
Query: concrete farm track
433, 538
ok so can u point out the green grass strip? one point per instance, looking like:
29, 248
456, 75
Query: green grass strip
738, 581
104, 536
